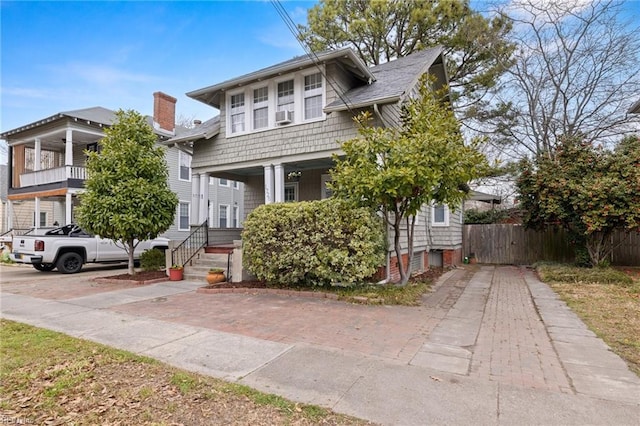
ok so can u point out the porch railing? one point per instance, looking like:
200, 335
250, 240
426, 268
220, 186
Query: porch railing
59, 174
185, 251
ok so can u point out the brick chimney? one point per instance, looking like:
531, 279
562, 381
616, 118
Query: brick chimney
164, 111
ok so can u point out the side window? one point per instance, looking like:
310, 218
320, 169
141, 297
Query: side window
185, 166
440, 215
183, 216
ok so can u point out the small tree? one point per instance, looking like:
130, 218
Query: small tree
587, 190
127, 195
399, 170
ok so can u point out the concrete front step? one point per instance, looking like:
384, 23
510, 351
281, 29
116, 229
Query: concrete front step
199, 266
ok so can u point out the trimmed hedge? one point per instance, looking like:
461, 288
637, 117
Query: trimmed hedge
313, 243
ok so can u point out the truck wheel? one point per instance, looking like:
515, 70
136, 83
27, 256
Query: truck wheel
44, 267
69, 263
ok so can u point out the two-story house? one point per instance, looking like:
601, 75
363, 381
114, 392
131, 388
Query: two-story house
46, 169
279, 127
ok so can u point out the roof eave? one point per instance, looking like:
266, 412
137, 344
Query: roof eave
211, 95
344, 107
635, 108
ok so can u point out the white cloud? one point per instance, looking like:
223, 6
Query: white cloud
101, 74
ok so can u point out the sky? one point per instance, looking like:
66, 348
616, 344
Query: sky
59, 56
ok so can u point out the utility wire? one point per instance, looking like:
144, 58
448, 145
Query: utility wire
310, 53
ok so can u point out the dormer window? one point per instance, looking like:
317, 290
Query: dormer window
237, 113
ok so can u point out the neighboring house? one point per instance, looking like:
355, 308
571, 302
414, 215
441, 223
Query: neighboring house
3, 198
481, 201
635, 108
279, 127
46, 168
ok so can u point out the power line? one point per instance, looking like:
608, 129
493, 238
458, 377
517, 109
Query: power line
291, 25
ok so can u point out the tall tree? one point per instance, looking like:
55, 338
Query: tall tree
127, 195
587, 190
575, 74
398, 171
474, 47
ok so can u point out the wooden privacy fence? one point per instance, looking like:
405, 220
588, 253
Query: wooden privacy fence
514, 245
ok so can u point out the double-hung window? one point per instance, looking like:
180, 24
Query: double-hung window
236, 217
286, 100
223, 216
261, 108
312, 96
185, 166
183, 216
237, 113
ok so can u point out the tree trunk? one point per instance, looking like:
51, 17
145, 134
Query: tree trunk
130, 247
398, 249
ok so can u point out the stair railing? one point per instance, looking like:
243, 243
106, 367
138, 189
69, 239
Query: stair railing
187, 249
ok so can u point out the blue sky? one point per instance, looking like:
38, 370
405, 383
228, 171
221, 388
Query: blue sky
61, 56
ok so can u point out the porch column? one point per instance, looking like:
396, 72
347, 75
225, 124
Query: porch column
9, 213
37, 161
268, 184
68, 149
204, 198
37, 213
68, 205
279, 183
195, 198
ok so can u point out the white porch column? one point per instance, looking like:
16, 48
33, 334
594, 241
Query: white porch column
68, 206
279, 182
9, 214
195, 199
68, 149
204, 199
268, 184
37, 161
37, 213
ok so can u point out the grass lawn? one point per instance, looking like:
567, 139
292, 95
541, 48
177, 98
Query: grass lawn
49, 378
607, 300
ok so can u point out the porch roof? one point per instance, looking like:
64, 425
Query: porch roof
94, 115
206, 130
211, 95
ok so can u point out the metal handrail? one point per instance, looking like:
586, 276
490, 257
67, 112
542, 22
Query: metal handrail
187, 249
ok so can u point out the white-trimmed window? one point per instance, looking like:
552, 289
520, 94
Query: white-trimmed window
326, 192
236, 185
223, 216
290, 192
185, 166
439, 215
237, 113
261, 108
236, 217
286, 99
223, 182
312, 96
183, 215
43, 219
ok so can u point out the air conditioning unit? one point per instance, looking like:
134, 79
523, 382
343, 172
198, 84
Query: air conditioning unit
284, 117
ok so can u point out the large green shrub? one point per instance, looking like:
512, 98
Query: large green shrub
152, 260
313, 243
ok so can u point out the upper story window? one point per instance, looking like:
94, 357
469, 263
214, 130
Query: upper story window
312, 96
262, 105
261, 108
185, 166
286, 100
237, 113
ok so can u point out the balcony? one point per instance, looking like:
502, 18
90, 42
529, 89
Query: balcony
59, 174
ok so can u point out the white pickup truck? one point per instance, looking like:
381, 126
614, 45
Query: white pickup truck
69, 247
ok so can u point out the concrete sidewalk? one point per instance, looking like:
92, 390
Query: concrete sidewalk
490, 345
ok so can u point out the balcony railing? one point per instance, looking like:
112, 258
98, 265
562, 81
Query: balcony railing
59, 174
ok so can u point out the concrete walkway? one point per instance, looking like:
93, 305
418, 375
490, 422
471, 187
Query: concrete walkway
490, 345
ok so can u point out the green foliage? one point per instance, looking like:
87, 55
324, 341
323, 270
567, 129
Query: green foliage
475, 47
152, 260
550, 272
589, 191
127, 195
5, 258
312, 243
475, 216
400, 170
